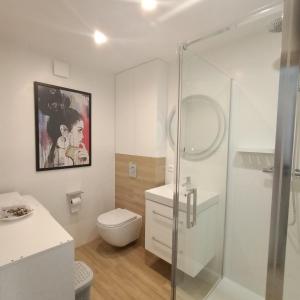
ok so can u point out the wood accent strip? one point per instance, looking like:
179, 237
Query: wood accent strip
130, 192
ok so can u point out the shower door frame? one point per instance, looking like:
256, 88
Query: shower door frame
283, 159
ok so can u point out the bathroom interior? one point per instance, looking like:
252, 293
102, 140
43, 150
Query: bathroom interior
185, 180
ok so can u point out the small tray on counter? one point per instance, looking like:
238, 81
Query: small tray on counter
15, 212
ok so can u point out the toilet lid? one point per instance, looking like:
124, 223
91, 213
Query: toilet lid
116, 217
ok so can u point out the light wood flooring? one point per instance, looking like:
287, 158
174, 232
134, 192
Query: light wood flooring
126, 273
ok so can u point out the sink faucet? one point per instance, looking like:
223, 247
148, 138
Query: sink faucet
187, 183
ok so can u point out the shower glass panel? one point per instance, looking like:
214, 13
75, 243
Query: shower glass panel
205, 110
292, 261
225, 157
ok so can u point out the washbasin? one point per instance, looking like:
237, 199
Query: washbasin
164, 195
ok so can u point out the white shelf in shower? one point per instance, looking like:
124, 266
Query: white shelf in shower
255, 150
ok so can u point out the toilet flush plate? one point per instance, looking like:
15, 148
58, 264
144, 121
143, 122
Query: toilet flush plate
132, 169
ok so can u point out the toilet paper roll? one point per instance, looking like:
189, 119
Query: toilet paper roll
75, 205
76, 201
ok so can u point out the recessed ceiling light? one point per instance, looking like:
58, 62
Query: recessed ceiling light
149, 4
99, 37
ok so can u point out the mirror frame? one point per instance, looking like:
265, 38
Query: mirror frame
195, 156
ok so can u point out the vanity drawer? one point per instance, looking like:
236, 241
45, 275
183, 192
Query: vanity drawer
159, 223
196, 245
160, 215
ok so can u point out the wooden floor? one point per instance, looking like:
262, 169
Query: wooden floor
127, 273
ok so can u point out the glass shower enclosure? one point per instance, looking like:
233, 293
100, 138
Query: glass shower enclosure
236, 231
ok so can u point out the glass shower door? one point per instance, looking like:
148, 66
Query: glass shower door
205, 108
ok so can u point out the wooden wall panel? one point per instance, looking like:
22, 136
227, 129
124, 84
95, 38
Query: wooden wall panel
130, 192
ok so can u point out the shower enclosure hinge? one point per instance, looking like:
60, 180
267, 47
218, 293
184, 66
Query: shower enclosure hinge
295, 173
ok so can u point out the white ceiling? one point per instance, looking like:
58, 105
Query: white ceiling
64, 28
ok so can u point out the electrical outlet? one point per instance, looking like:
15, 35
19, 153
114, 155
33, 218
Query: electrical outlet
170, 168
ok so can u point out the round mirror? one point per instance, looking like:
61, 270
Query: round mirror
202, 127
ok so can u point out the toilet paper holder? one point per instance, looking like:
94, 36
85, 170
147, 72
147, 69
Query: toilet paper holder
74, 196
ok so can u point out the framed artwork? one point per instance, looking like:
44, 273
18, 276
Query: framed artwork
62, 126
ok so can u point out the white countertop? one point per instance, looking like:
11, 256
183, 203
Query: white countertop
30, 235
164, 195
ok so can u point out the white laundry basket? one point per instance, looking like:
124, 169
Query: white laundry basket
83, 277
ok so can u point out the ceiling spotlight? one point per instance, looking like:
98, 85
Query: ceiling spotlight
99, 37
149, 4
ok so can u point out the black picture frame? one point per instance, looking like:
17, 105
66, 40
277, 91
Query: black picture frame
65, 93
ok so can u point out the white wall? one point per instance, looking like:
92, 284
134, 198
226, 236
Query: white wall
249, 61
19, 68
141, 107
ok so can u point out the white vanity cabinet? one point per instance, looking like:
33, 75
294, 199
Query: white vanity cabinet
196, 245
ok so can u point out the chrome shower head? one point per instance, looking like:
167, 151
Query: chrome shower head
276, 25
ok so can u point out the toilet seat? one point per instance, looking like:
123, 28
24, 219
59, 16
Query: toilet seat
116, 217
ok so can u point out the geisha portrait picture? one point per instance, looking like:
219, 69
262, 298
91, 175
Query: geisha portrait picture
63, 127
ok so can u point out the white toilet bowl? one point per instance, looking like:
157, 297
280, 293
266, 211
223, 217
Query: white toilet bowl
119, 227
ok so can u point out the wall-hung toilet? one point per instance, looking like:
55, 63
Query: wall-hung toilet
119, 227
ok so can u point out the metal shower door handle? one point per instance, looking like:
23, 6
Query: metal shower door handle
191, 192
194, 206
